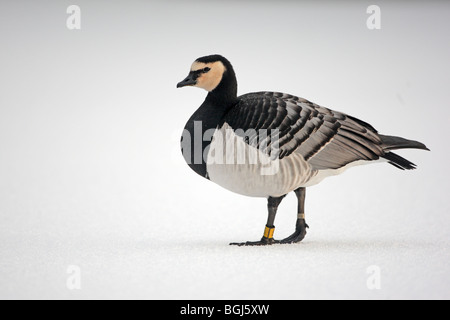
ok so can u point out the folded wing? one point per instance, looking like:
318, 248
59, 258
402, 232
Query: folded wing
326, 139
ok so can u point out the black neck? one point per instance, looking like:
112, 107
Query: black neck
225, 95
210, 114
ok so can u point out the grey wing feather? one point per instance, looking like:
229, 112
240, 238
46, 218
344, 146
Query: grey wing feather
330, 139
325, 138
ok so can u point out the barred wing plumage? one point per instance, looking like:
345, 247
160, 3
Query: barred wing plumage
325, 138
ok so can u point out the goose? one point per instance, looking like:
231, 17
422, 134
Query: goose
268, 144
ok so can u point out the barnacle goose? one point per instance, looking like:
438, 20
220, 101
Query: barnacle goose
267, 144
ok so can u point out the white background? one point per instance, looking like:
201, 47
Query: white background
91, 174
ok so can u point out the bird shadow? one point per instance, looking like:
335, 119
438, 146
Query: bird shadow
311, 244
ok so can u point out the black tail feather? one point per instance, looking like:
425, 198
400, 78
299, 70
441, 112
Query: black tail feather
399, 162
394, 143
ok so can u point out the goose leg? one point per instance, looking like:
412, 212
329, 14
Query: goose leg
300, 227
267, 239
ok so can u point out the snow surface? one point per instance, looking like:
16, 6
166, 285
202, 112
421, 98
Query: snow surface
91, 175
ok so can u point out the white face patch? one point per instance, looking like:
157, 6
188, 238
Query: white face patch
211, 79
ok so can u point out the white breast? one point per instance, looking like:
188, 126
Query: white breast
241, 168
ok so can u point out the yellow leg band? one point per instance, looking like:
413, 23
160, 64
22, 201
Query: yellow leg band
268, 232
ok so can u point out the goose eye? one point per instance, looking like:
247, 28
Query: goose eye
205, 70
